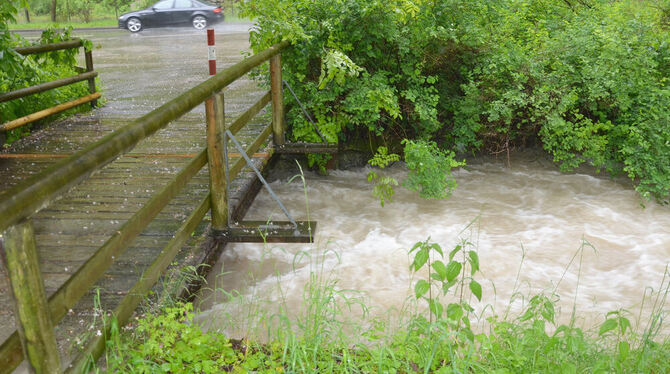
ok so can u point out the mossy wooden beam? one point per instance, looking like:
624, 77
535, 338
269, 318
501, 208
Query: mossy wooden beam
34, 49
88, 57
35, 327
11, 125
277, 100
125, 309
214, 113
27, 91
29, 197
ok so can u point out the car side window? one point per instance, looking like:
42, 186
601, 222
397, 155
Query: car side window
165, 4
183, 4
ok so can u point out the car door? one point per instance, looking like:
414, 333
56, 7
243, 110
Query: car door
161, 14
183, 11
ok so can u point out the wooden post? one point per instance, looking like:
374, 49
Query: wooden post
214, 111
91, 81
31, 309
277, 100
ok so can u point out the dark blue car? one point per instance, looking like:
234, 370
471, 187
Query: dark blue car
197, 13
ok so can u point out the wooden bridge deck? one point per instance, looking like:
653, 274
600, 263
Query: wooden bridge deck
72, 228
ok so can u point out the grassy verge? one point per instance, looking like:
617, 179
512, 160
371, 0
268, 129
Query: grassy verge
439, 331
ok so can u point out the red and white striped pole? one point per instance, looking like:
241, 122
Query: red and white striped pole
211, 52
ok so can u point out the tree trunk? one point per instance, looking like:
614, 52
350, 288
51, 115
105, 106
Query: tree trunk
27, 15
53, 10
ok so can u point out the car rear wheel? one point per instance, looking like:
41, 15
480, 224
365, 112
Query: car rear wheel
134, 24
199, 22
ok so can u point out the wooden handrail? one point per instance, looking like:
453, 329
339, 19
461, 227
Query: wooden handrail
23, 92
32, 195
35, 49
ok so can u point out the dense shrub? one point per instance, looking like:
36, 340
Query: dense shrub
17, 71
587, 80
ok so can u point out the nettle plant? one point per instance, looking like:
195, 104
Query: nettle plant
455, 275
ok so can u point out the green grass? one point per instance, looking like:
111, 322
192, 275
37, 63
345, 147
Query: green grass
446, 337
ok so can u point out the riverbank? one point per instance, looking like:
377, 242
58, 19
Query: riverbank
448, 338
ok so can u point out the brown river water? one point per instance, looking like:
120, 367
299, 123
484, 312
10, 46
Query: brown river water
527, 209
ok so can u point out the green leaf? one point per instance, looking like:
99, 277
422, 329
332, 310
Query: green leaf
548, 311
624, 348
453, 269
454, 251
420, 259
476, 289
448, 285
454, 311
435, 308
607, 326
473, 258
624, 324
441, 270
436, 247
421, 288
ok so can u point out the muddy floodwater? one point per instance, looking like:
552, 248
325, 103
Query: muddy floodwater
528, 209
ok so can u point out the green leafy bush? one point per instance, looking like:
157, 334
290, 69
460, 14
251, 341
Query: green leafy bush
17, 71
586, 80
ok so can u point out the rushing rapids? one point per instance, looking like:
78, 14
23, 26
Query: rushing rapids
584, 235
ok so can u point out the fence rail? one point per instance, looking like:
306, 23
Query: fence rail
22, 201
89, 76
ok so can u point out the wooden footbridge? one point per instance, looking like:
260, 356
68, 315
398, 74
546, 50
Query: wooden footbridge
114, 216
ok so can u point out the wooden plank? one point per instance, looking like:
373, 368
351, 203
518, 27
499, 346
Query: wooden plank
250, 113
150, 276
35, 328
305, 148
31, 156
277, 100
269, 232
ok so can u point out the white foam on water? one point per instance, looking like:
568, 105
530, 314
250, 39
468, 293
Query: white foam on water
530, 205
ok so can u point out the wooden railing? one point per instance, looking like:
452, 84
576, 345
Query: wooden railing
89, 75
34, 338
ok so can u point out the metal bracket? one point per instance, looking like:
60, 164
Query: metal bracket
304, 111
301, 232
